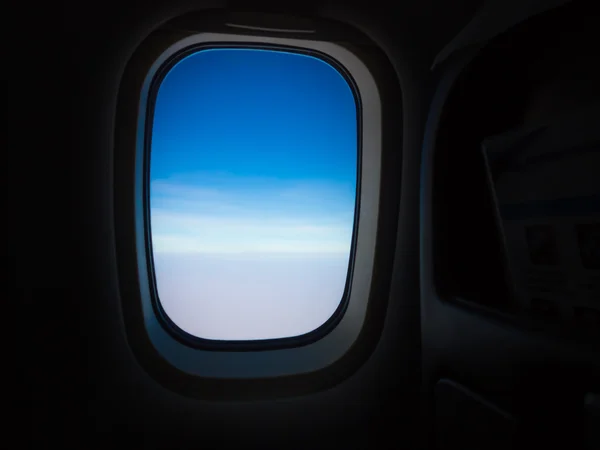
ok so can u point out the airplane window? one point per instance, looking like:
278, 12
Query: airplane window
253, 188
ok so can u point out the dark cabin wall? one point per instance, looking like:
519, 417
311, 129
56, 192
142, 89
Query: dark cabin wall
84, 385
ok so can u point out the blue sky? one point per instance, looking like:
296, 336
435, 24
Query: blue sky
253, 183
253, 151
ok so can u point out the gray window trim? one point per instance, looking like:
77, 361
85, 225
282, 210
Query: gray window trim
330, 348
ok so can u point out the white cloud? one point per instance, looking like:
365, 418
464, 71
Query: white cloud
255, 297
184, 244
298, 219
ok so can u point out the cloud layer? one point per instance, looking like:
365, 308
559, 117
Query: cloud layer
289, 218
250, 297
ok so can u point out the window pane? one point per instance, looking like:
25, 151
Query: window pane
252, 194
